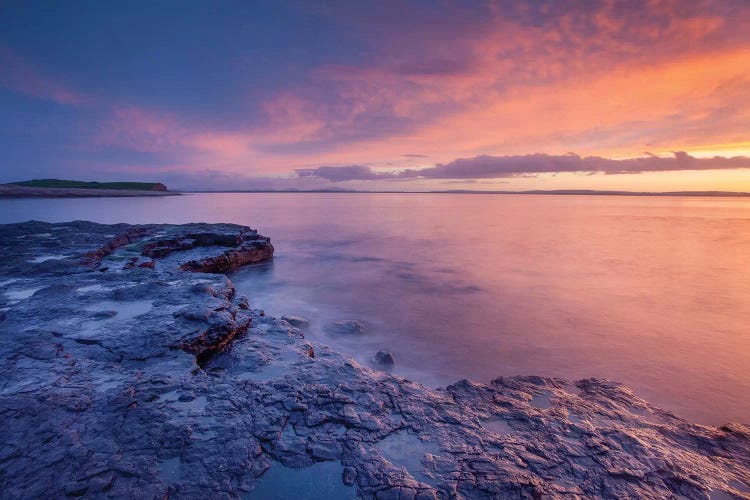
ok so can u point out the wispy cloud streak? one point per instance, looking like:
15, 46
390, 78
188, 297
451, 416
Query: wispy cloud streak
19, 76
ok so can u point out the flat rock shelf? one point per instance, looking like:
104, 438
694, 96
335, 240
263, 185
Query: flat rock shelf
131, 368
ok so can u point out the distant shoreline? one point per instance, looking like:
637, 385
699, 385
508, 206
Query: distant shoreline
700, 194
14, 191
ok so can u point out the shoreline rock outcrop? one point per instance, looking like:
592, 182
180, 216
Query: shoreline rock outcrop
345, 327
160, 382
384, 359
297, 321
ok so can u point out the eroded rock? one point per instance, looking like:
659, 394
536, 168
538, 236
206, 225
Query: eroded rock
384, 359
297, 321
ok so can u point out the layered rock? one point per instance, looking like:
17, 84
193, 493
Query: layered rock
244, 247
130, 381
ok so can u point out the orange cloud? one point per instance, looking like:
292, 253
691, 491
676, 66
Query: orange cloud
607, 82
614, 79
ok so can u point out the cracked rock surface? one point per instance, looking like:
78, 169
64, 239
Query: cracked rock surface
131, 369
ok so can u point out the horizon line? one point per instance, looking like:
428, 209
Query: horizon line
564, 192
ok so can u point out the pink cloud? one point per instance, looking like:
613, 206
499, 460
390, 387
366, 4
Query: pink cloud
19, 76
139, 129
493, 167
515, 78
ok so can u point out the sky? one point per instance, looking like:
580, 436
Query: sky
645, 95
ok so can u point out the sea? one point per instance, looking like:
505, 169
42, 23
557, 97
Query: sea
653, 292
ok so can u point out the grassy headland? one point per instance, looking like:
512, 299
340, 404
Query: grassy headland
57, 188
61, 183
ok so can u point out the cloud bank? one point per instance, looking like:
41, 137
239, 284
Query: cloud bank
492, 167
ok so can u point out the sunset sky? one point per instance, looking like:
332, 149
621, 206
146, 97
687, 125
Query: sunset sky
508, 95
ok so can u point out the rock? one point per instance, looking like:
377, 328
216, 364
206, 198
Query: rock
297, 321
94, 257
349, 476
187, 392
222, 329
326, 450
130, 264
245, 246
384, 359
345, 327
247, 253
105, 314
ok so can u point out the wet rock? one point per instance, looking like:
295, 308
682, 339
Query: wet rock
223, 327
130, 264
245, 246
247, 253
326, 450
345, 327
94, 257
104, 314
297, 321
384, 359
349, 476
209, 238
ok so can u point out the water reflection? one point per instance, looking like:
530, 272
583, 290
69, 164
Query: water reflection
653, 292
321, 481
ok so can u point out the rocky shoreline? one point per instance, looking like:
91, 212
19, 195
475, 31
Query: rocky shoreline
133, 369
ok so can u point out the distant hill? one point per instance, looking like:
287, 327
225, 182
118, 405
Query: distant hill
640, 193
60, 183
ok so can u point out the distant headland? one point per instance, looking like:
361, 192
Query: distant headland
60, 188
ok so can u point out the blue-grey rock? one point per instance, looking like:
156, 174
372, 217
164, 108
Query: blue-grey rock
384, 359
297, 321
345, 327
186, 392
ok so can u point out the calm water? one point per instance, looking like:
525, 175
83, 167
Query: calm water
653, 292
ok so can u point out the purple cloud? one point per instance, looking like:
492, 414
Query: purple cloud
347, 173
490, 167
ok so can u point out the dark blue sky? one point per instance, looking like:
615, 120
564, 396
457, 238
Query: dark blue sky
210, 65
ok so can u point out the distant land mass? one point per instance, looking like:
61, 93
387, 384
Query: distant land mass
61, 183
59, 188
614, 193
578, 192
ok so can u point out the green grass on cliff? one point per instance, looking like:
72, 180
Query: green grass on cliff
59, 183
